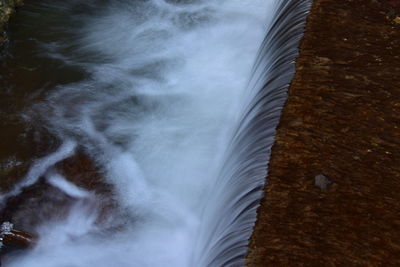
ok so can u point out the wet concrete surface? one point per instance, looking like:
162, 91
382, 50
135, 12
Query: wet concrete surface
342, 120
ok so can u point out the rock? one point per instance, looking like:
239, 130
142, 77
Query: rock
36, 204
322, 181
15, 238
44, 201
7, 8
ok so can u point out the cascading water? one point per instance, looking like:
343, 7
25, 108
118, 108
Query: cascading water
230, 211
167, 112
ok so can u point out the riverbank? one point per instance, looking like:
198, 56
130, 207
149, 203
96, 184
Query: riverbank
7, 8
341, 120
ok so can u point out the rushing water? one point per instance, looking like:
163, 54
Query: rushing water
165, 97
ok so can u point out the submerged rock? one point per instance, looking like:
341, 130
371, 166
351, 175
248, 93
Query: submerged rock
72, 185
15, 238
73, 181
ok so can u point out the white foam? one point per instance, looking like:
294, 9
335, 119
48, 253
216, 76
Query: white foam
66, 186
39, 168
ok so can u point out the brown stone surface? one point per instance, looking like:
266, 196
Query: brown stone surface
342, 119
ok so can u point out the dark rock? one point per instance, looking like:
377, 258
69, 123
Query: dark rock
42, 201
322, 181
14, 238
36, 204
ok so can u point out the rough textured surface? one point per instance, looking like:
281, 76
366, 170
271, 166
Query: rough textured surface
341, 119
7, 8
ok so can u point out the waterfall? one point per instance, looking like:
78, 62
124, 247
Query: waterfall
177, 103
230, 211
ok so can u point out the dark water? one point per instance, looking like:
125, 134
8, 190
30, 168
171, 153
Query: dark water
26, 77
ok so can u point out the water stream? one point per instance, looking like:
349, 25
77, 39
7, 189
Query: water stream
176, 102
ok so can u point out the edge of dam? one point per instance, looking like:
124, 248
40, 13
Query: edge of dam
341, 121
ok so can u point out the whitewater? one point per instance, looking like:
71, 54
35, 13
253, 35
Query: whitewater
177, 108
